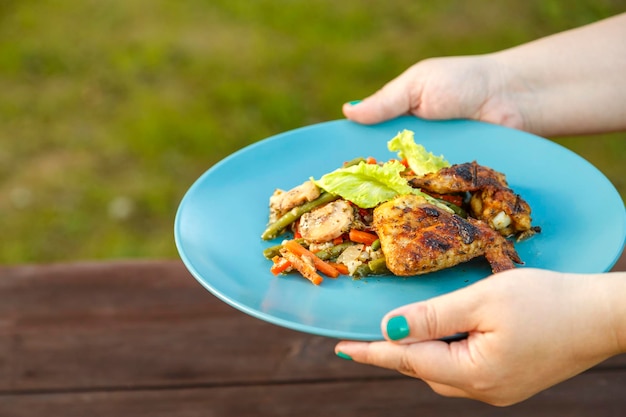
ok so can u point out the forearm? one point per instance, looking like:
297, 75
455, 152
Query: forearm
573, 82
614, 287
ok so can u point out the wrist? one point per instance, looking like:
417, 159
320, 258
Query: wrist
615, 290
514, 96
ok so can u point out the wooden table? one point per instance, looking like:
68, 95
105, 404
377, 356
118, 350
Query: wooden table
143, 338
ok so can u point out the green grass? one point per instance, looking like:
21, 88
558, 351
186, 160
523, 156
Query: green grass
109, 110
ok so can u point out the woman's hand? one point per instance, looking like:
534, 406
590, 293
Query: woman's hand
528, 329
473, 87
563, 84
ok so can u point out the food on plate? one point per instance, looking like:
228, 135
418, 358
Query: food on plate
419, 237
491, 200
407, 216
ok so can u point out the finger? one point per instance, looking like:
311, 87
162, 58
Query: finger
433, 361
391, 101
409, 361
440, 317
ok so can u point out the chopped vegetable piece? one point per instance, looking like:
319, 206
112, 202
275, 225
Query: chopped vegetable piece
280, 265
322, 266
360, 236
454, 199
355, 161
272, 251
378, 266
343, 269
458, 210
362, 271
306, 269
276, 228
375, 267
333, 252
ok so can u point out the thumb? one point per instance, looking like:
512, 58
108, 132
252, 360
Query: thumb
445, 317
391, 101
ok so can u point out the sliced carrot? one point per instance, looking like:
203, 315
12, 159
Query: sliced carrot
370, 160
343, 270
322, 266
359, 236
296, 230
280, 265
306, 269
454, 199
338, 240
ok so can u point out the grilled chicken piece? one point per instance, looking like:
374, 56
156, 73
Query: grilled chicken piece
504, 211
417, 238
460, 177
326, 222
283, 201
492, 200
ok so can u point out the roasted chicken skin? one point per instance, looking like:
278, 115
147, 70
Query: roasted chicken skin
417, 238
460, 177
491, 198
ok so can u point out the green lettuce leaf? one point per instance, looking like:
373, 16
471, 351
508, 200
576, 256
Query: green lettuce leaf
419, 159
367, 185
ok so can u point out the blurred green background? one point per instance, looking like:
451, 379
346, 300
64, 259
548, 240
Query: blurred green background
110, 109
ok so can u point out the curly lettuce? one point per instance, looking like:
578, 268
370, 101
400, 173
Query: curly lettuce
368, 185
418, 158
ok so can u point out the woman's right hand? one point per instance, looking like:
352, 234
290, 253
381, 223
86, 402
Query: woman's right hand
528, 329
472, 87
562, 84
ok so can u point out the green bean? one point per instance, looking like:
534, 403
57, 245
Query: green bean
275, 229
375, 267
362, 271
376, 244
378, 266
272, 251
333, 251
456, 209
355, 161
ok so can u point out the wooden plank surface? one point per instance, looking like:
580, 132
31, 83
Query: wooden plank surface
142, 338
597, 395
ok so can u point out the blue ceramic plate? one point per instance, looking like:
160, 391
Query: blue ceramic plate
221, 218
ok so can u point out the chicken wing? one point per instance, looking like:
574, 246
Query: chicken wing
417, 238
491, 198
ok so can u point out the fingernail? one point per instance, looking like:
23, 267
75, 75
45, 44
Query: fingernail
397, 328
354, 102
343, 356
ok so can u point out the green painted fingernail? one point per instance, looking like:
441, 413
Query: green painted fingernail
397, 328
344, 356
354, 102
